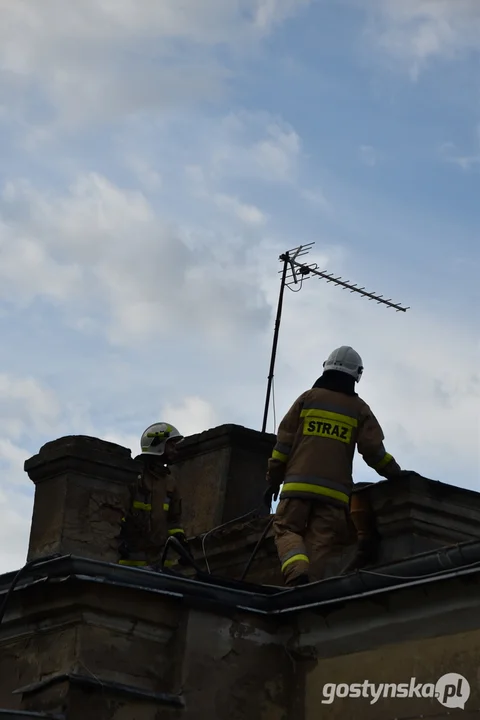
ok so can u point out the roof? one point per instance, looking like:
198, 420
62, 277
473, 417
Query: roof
224, 595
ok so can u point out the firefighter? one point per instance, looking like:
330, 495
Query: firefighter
155, 511
313, 458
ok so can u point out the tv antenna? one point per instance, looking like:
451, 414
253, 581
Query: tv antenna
291, 272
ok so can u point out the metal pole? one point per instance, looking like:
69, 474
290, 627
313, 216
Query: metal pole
286, 260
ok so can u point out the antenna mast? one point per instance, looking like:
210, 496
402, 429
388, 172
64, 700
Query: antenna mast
290, 271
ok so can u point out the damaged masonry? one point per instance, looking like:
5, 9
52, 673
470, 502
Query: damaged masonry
83, 636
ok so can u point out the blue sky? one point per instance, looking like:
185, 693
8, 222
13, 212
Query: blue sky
156, 160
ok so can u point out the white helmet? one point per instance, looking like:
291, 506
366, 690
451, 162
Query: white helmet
345, 359
156, 437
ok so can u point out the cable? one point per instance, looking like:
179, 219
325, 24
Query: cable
172, 540
27, 566
298, 290
218, 527
437, 573
255, 549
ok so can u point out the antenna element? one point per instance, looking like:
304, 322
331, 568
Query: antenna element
290, 271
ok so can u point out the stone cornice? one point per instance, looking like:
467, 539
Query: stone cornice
418, 502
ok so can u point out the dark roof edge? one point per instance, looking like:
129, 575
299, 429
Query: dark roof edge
168, 583
427, 567
448, 561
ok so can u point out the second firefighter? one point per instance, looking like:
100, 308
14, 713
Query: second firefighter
155, 510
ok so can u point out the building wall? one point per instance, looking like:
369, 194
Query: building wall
426, 660
411, 633
70, 644
219, 664
235, 668
227, 664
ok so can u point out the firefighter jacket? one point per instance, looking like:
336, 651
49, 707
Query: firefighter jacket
154, 514
316, 443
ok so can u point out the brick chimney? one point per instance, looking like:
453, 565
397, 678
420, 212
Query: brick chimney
80, 493
222, 475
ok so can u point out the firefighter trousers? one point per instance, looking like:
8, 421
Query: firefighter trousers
307, 533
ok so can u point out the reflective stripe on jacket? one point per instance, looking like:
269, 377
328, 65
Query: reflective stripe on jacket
316, 443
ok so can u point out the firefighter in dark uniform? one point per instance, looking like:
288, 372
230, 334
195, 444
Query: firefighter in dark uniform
313, 459
155, 511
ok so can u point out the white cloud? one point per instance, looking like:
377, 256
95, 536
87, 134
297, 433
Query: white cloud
276, 156
417, 31
147, 176
202, 183
12, 458
26, 408
249, 214
192, 415
316, 197
270, 12
23, 256
104, 21
16, 511
105, 249
256, 145
100, 59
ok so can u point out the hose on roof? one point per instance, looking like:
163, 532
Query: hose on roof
255, 549
218, 527
177, 545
